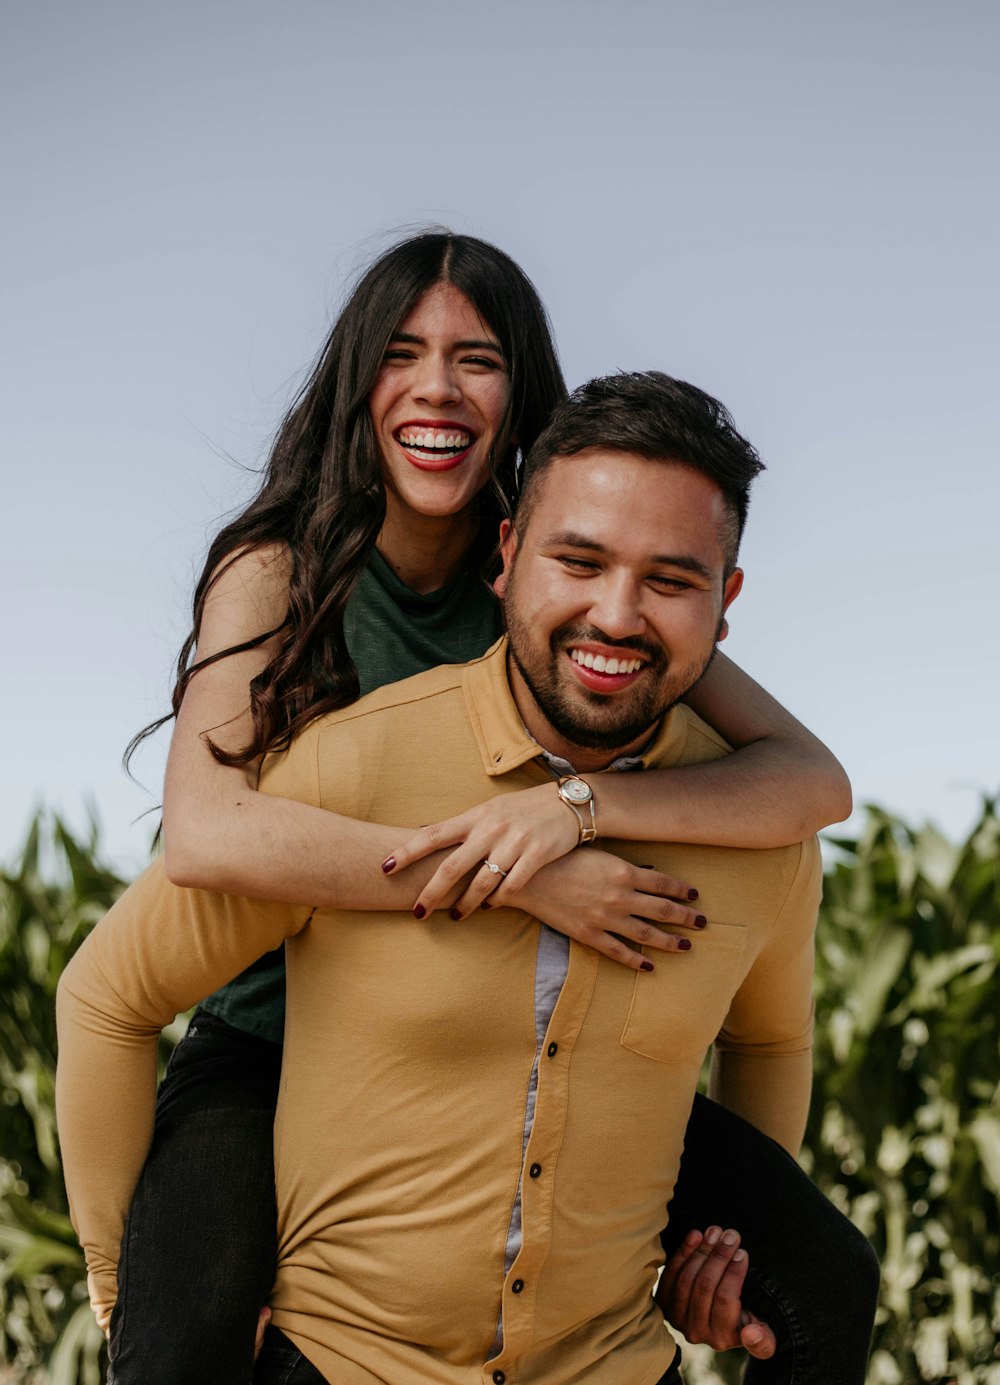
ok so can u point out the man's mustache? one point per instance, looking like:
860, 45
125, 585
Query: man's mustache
582, 634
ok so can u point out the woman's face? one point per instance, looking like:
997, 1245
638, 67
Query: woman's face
436, 406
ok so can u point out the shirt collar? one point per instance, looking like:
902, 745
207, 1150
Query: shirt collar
505, 743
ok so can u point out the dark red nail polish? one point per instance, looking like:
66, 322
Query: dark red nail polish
456, 915
486, 904
419, 911
645, 965
388, 864
692, 894
684, 944
700, 921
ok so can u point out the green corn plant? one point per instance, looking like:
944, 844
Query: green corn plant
904, 1131
48, 903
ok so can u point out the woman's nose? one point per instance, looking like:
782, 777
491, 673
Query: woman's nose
436, 382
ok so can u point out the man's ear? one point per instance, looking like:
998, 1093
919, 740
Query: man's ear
730, 591
508, 547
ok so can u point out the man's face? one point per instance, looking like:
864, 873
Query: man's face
614, 595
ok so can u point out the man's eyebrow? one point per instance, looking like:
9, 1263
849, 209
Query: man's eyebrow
471, 344
568, 538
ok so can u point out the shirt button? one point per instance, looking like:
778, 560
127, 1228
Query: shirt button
552, 1050
498, 1378
534, 1171
517, 1286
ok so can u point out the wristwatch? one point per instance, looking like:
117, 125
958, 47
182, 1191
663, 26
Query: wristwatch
577, 794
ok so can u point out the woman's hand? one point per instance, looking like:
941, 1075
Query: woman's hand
518, 832
599, 900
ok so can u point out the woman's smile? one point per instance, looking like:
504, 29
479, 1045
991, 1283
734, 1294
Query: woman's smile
434, 444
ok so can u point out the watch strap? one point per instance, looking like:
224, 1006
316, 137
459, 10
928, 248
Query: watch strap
588, 823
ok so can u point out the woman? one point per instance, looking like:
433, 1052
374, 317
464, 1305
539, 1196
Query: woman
359, 562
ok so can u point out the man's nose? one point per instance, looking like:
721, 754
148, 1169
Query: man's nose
617, 608
436, 382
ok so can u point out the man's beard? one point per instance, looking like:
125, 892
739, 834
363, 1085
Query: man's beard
591, 720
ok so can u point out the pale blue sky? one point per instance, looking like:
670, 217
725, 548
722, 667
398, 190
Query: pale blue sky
793, 205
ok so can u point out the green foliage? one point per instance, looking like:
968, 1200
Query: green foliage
904, 1134
48, 904
905, 1129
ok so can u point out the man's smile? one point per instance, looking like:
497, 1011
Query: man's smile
602, 670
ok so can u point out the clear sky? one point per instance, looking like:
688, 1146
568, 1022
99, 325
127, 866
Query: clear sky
793, 205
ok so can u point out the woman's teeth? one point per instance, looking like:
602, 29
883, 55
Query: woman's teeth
602, 665
428, 444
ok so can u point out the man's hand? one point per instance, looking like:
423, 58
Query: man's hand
699, 1293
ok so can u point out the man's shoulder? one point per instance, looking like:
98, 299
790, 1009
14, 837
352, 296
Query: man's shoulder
691, 741
442, 682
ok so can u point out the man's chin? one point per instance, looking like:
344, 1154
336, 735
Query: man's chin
600, 735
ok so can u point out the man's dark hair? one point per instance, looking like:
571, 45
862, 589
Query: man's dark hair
654, 416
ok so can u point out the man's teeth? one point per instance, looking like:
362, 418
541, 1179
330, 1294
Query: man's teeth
602, 665
427, 440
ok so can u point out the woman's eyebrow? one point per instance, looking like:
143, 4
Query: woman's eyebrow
472, 344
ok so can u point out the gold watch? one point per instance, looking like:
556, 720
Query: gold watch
577, 794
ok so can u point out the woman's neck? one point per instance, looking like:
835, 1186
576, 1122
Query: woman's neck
426, 551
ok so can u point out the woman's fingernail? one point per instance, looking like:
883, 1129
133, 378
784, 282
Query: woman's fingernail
684, 944
645, 965
692, 894
419, 911
486, 904
388, 864
700, 921
456, 914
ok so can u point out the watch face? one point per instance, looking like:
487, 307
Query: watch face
577, 790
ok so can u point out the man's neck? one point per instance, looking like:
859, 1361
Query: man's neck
584, 759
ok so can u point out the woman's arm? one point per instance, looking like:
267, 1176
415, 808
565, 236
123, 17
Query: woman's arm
219, 832
779, 786
782, 786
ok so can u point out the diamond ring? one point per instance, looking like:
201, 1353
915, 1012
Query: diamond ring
494, 869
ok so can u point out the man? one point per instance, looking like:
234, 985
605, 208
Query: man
480, 1127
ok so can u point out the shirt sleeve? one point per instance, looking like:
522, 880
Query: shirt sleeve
762, 1062
159, 950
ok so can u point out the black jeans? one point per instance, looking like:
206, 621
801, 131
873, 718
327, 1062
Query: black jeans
281, 1363
200, 1244
199, 1248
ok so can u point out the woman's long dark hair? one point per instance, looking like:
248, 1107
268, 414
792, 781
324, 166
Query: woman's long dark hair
322, 492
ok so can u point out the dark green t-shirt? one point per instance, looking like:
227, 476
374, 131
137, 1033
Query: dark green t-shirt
392, 632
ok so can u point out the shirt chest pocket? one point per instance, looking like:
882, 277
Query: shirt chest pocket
676, 1012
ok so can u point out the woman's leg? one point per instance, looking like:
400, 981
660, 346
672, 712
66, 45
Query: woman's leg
813, 1276
199, 1247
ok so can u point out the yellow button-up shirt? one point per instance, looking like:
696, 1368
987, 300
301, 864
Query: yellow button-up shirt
409, 1048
